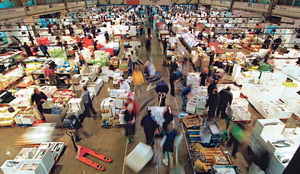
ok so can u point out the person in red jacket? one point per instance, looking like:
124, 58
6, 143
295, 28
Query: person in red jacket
50, 74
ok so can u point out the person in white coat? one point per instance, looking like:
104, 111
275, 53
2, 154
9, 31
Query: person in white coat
124, 85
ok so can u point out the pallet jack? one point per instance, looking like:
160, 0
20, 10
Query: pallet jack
82, 152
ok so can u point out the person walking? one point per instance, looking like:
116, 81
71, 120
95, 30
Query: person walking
27, 49
168, 117
85, 95
165, 46
44, 49
130, 115
198, 63
173, 79
237, 136
225, 99
162, 90
212, 103
150, 128
185, 91
168, 144
106, 35
50, 74
134, 59
39, 98
93, 29
148, 46
129, 66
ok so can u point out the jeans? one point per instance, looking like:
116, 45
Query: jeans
183, 100
198, 69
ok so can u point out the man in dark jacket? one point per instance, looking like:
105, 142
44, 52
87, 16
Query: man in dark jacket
212, 86
162, 90
150, 126
225, 99
185, 91
44, 49
39, 98
173, 79
106, 36
276, 43
212, 103
93, 29
27, 49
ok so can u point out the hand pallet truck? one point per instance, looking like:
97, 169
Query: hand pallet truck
82, 152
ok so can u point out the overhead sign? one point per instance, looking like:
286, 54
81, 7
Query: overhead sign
148, 2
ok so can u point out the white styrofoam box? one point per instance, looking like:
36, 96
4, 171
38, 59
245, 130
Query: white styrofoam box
193, 79
105, 78
262, 129
24, 93
8, 168
191, 106
27, 119
20, 102
30, 167
55, 147
275, 166
236, 71
117, 92
292, 133
122, 118
48, 90
200, 90
273, 149
265, 77
139, 157
105, 69
76, 104
120, 103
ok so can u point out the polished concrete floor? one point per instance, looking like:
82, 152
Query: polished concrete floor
111, 141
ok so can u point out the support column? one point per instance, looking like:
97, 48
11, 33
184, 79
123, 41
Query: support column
231, 5
85, 3
25, 7
271, 6
66, 6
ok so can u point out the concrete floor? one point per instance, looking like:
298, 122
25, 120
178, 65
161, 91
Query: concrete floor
111, 141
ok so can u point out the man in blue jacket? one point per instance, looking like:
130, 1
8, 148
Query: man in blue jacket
162, 90
185, 91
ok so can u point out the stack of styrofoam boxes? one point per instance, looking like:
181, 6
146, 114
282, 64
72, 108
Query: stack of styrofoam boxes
193, 79
105, 75
76, 106
86, 53
30, 160
115, 93
99, 54
248, 77
201, 101
116, 77
200, 90
292, 133
23, 98
191, 106
265, 77
94, 87
48, 90
262, 132
239, 109
292, 99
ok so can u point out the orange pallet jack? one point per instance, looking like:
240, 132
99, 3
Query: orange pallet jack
82, 152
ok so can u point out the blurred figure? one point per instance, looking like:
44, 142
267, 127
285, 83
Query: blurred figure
44, 49
237, 136
148, 46
185, 91
212, 103
225, 99
162, 90
106, 35
130, 114
150, 128
267, 42
198, 63
39, 98
173, 79
203, 76
50, 74
134, 59
129, 66
168, 144
88, 105
276, 43
168, 117
27, 49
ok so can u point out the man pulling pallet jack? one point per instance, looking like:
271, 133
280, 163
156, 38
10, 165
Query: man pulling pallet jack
82, 152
